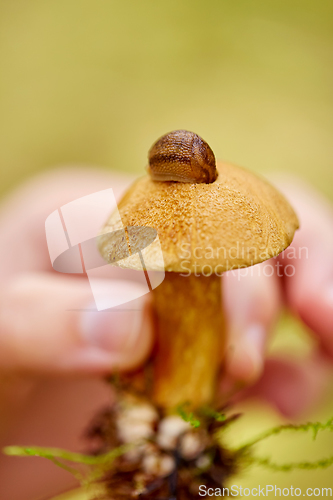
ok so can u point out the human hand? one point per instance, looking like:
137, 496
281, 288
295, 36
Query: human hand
53, 350
45, 336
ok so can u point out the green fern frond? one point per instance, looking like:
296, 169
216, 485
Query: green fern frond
315, 427
78, 458
57, 455
318, 464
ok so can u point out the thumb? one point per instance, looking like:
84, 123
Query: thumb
49, 325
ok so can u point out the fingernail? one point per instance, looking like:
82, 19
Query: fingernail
246, 358
113, 330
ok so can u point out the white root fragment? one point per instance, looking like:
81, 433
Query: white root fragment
158, 464
130, 432
204, 462
191, 445
136, 423
140, 412
169, 431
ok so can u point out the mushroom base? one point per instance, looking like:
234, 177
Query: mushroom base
190, 339
167, 457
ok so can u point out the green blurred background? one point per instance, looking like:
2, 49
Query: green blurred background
98, 81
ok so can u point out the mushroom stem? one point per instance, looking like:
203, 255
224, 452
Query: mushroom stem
190, 337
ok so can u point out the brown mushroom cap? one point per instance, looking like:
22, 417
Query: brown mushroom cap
237, 221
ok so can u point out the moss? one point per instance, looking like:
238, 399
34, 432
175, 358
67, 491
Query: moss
108, 466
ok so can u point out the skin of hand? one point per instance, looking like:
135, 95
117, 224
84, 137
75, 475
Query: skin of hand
54, 351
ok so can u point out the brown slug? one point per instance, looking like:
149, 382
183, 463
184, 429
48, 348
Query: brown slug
182, 156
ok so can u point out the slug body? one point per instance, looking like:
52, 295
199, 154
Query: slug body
182, 156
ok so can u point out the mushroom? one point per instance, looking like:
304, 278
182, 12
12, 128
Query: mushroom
209, 219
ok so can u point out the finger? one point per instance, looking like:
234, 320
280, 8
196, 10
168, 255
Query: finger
48, 325
252, 301
23, 214
293, 387
309, 280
